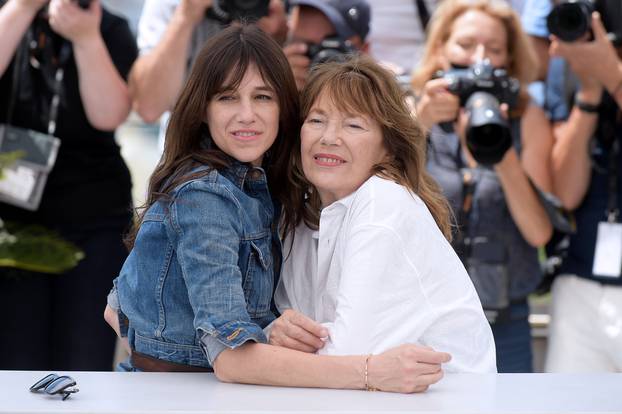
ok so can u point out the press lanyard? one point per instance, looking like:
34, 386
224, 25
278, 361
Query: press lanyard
59, 74
613, 211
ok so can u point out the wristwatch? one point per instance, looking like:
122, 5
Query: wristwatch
586, 107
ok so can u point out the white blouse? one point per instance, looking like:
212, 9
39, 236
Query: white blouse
379, 273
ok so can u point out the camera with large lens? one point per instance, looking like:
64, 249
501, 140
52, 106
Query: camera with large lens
331, 49
572, 19
482, 89
227, 11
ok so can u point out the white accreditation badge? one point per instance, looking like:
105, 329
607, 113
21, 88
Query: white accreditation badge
608, 252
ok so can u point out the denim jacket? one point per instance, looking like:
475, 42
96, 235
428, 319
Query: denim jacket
200, 277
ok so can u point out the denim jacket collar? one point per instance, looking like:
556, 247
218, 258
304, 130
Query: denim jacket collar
240, 173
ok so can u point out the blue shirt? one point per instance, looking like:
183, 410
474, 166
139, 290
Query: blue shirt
200, 277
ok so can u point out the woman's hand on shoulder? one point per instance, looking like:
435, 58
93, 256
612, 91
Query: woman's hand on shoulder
407, 368
294, 330
436, 104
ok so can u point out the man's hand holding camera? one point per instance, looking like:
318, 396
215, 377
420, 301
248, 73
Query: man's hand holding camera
192, 11
74, 23
582, 55
296, 54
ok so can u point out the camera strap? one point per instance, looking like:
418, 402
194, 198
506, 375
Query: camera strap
423, 13
469, 183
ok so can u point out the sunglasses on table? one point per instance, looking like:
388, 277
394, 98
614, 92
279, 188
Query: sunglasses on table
55, 384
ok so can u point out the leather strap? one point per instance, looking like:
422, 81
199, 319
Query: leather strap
148, 363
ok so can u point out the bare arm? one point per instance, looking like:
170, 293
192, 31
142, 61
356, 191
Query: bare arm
571, 164
522, 200
537, 145
15, 18
158, 76
407, 368
103, 91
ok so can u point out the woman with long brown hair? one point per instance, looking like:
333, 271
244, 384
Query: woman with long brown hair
367, 250
197, 287
487, 171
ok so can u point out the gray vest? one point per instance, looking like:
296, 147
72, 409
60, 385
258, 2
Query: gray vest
498, 254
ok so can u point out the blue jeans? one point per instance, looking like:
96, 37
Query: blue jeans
513, 341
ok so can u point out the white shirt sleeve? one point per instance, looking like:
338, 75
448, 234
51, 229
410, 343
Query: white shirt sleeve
384, 300
377, 290
153, 22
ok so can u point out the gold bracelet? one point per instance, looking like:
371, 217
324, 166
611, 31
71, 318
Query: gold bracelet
367, 386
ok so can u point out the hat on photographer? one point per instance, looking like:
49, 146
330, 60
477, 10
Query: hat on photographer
349, 20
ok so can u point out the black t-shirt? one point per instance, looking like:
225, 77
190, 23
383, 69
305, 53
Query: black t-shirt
90, 184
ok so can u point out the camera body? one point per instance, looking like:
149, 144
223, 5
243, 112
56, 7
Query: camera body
227, 11
572, 19
331, 49
482, 89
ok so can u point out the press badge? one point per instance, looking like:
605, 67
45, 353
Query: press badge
608, 253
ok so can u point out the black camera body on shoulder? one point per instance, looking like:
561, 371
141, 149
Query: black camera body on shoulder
482, 89
572, 19
331, 49
227, 11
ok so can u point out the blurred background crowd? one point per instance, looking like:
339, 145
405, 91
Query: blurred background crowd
521, 100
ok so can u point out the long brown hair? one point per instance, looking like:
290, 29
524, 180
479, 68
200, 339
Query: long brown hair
360, 85
225, 58
522, 60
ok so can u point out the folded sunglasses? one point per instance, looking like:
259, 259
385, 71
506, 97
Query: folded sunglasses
55, 384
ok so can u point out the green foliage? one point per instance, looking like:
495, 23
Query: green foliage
37, 249
34, 248
30, 247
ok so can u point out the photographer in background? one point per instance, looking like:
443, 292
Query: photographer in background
170, 34
585, 331
321, 30
54, 321
486, 163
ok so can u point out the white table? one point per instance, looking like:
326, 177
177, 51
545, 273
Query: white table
110, 392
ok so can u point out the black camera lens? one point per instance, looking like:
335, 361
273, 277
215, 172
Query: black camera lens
488, 134
570, 20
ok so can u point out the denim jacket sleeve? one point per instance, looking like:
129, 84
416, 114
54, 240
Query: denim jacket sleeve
113, 302
206, 226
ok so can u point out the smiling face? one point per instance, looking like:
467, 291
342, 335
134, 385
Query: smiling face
338, 149
244, 122
476, 36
